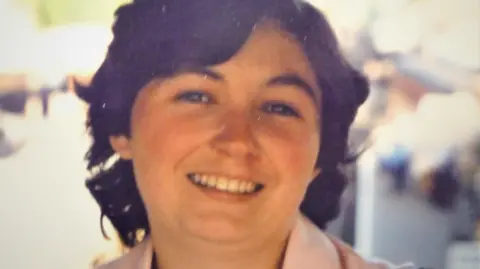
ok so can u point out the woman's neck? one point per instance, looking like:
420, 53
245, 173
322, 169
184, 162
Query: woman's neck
172, 253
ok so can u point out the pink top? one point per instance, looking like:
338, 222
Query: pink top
308, 248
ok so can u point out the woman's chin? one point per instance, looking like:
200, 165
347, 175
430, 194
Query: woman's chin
219, 231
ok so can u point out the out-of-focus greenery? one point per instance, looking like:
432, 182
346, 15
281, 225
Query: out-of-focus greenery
57, 12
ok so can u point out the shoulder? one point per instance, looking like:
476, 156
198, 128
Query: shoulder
138, 257
353, 260
347, 258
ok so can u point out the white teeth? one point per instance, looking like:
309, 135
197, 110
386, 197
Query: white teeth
197, 178
250, 187
225, 184
233, 185
241, 187
222, 184
205, 180
211, 181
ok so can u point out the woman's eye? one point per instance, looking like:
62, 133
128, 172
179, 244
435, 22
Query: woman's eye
280, 109
197, 97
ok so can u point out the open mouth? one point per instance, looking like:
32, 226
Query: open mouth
224, 184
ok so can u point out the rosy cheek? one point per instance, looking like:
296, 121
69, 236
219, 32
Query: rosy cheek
298, 158
162, 137
293, 156
147, 142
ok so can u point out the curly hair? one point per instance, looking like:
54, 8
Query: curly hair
154, 38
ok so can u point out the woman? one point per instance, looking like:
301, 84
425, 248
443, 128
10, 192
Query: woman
220, 117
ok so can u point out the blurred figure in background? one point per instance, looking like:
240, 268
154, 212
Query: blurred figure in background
397, 165
445, 182
13, 99
47, 89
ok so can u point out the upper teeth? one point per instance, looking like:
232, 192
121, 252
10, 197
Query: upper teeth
225, 184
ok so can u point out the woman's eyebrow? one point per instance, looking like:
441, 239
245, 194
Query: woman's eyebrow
202, 71
291, 79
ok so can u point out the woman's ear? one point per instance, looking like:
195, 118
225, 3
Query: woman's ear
121, 145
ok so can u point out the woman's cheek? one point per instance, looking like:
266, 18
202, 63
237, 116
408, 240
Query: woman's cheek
292, 150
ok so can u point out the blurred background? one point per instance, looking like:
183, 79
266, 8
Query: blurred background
414, 193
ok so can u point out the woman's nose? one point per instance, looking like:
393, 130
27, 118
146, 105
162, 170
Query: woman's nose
236, 136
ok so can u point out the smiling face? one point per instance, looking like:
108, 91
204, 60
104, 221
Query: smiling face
226, 152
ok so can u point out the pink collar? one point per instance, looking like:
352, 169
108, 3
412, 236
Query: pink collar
308, 248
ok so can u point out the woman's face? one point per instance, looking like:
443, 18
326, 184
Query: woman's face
226, 152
